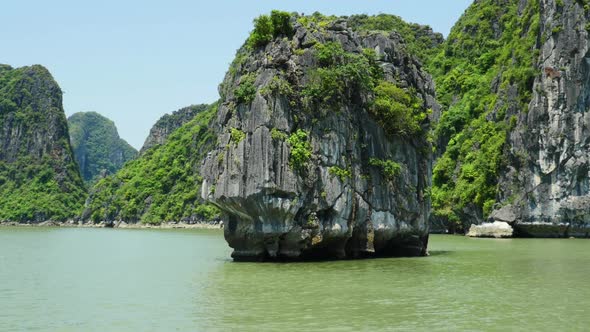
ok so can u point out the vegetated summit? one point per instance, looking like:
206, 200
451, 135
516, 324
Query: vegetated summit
39, 178
97, 146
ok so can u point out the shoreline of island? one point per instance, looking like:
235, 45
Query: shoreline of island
118, 224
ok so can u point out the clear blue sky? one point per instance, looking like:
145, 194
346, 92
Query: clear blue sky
134, 61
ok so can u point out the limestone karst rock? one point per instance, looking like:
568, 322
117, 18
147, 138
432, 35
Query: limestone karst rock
547, 183
97, 146
168, 123
309, 163
39, 178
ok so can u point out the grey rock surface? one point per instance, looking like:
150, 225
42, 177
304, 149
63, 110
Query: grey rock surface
547, 186
274, 211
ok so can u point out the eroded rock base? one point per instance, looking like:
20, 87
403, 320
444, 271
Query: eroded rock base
309, 245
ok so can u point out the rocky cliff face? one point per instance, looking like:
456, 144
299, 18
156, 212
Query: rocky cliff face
484, 73
39, 178
546, 189
322, 147
98, 149
169, 123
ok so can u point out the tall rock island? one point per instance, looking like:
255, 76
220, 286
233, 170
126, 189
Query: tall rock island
323, 148
39, 178
97, 146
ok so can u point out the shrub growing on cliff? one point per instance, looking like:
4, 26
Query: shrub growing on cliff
278, 86
398, 111
263, 32
278, 135
246, 91
281, 23
300, 149
237, 135
419, 40
389, 168
341, 75
267, 27
342, 173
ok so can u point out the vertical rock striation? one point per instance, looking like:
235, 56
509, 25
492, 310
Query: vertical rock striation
546, 189
303, 167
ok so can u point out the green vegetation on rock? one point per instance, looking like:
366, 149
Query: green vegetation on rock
300, 149
420, 40
389, 168
161, 185
39, 179
278, 135
246, 91
398, 111
490, 51
97, 146
267, 27
168, 123
342, 173
237, 135
340, 73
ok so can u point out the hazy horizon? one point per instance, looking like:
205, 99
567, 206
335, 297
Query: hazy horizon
136, 61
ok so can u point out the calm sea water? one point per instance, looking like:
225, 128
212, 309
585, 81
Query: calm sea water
54, 279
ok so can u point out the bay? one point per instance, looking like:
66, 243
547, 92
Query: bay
74, 279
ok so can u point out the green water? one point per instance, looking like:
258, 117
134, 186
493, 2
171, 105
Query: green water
55, 279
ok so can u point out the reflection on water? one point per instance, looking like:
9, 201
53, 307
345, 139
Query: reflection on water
130, 280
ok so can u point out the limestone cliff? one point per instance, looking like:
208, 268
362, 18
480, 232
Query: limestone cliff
484, 74
546, 188
322, 147
39, 178
168, 123
97, 146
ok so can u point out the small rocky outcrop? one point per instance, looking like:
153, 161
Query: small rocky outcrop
546, 189
496, 230
169, 123
304, 167
97, 146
